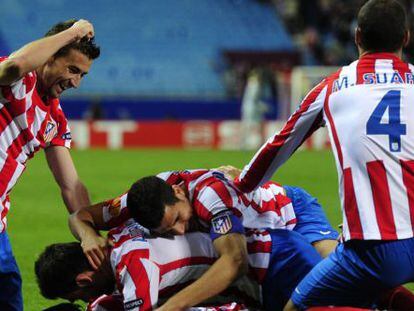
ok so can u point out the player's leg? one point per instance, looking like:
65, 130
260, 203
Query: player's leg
325, 247
356, 274
10, 280
312, 222
291, 259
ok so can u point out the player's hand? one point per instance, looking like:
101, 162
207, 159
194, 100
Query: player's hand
83, 28
229, 170
95, 249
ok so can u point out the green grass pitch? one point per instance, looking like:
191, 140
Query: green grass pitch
38, 216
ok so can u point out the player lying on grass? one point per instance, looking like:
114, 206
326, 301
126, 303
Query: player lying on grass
206, 200
146, 269
268, 207
109, 214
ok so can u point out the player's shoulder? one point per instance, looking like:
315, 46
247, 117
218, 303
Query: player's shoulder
129, 237
215, 189
114, 211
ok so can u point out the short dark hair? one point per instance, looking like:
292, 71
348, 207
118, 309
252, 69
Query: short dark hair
147, 198
383, 24
86, 46
57, 268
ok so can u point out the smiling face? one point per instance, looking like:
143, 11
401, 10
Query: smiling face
62, 73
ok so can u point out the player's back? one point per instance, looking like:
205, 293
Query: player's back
212, 192
164, 265
369, 109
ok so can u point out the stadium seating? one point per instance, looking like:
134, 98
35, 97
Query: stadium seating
153, 48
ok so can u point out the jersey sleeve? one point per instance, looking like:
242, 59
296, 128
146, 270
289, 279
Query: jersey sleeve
63, 136
139, 278
215, 205
18, 90
115, 211
278, 148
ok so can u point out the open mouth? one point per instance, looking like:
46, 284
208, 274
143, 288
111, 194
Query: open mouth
62, 86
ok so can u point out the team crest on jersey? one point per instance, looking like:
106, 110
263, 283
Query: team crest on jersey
136, 232
222, 224
50, 131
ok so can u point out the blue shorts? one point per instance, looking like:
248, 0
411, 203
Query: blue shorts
311, 219
10, 280
356, 273
291, 259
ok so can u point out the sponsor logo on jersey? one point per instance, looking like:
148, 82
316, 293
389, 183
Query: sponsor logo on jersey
50, 131
222, 224
131, 305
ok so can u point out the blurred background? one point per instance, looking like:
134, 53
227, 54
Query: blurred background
192, 73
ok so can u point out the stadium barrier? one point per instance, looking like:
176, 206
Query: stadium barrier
221, 135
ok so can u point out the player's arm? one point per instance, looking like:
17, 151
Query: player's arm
36, 53
231, 264
74, 193
85, 225
278, 148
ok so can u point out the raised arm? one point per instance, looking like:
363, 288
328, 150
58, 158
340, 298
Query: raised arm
36, 53
231, 264
303, 122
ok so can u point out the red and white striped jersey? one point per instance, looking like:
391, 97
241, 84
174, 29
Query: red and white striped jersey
27, 123
115, 303
368, 109
211, 192
149, 270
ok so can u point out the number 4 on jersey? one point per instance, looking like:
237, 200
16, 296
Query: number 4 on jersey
394, 129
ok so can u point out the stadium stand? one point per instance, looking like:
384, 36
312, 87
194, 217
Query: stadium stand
162, 48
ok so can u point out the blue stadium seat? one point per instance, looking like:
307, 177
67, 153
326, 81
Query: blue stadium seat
157, 47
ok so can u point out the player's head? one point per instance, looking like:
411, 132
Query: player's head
63, 271
159, 206
382, 27
66, 68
